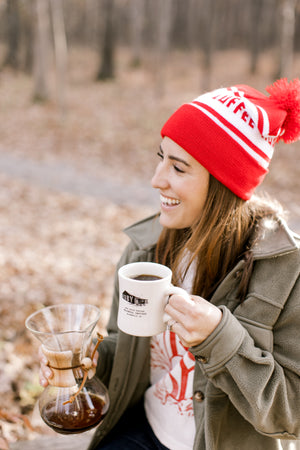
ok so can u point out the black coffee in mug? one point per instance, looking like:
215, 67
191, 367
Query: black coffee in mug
146, 277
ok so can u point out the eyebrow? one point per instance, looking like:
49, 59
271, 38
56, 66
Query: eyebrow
175, 158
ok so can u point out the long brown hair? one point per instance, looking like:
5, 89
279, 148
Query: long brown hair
223, 235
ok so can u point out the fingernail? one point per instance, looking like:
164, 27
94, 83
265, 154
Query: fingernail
43, 382
48, 373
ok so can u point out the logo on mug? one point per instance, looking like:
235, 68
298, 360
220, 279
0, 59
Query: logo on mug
133, 299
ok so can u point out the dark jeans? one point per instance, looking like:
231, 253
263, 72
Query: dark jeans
132, 432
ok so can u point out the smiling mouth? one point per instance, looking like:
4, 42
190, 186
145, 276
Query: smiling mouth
169, 201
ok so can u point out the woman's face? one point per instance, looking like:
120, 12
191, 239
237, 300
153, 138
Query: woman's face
183, 186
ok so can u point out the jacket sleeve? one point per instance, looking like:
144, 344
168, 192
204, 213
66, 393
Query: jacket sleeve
262, 384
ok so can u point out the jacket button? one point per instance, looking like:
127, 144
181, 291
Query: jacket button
199, 396
201, 359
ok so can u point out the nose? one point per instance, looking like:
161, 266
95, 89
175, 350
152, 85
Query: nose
159, 179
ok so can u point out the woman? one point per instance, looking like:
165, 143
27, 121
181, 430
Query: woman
226, 376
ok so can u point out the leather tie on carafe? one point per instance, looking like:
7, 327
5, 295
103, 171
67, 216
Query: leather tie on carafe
62, 363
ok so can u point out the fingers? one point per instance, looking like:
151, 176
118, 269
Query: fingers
45, 373
181, 303
43, 379
193, 320
179, 307
178, 329
170, 324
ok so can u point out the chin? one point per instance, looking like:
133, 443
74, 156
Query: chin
165, 222
171, 224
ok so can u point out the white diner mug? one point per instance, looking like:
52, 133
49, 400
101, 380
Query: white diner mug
142, 301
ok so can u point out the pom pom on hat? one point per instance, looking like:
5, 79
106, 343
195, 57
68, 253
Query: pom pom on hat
287, 97
232, 131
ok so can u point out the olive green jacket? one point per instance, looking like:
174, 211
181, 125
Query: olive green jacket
246, 380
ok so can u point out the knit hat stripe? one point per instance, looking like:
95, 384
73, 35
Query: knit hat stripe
260, 157
263, 121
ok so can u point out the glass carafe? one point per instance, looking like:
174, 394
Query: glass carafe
75, 400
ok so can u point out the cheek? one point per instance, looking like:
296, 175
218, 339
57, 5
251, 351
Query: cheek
198, 198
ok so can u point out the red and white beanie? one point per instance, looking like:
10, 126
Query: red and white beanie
232, 131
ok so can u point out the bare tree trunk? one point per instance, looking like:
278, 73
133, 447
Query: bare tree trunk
60, 45
255, 42
288, 14
28, 32
13, 33
41, 51
192, 21
137, 11
106, 70
164, 23
209, 42
91, 22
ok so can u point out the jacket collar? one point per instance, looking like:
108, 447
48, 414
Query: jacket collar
145, 233
274, 238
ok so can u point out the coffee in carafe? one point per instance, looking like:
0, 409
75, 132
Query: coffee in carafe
72, 419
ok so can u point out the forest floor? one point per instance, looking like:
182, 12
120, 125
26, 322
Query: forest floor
72, 178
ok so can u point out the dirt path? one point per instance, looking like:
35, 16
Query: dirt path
59, 177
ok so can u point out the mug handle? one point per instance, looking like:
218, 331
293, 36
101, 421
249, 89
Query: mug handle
174, 290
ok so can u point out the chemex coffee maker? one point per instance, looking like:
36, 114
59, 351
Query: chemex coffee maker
75, 400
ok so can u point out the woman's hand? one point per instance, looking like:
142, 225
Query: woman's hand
194, 318
45, 371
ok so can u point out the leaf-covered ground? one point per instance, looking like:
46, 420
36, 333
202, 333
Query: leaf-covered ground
59, 243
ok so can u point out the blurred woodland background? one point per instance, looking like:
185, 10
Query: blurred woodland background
85, 86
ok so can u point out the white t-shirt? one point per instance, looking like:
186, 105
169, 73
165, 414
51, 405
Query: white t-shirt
168, 401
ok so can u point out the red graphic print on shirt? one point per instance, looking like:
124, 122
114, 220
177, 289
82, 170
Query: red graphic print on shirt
173, 370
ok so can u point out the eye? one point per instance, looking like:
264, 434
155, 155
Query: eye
178, 169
